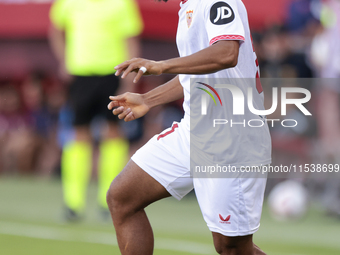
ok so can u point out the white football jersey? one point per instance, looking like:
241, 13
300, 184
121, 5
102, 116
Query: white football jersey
201, 24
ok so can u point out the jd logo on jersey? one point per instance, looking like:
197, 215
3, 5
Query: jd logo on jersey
221, 13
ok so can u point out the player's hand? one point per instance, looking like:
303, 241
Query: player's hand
128, 106
134, 65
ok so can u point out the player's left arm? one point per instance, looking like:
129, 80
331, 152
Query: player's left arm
221, 55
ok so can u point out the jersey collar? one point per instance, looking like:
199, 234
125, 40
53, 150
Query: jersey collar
184, 1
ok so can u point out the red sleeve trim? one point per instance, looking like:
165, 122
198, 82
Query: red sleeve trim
226, 37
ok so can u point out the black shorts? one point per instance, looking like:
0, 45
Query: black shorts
89, 97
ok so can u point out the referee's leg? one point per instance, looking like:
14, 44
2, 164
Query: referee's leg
130, 192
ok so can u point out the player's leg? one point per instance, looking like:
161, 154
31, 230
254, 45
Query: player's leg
76, 161
258, 251
130, 192
164, 160
239, 245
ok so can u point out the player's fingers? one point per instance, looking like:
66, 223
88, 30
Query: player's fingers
119, 71
129, 117
128, 70
125, 64
112, 104
138, 76
133, 67
118, 110
118, 98
124, 113
121, 67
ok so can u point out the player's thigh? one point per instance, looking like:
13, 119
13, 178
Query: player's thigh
166, 159
133, 189
231, 206
159, 168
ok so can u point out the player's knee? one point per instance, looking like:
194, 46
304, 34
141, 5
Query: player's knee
113, 198
228, 248
118, 202
233, 245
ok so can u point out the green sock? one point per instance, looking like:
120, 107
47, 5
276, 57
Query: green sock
113, 155
76, 166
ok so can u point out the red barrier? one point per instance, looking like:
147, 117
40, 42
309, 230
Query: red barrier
30, 20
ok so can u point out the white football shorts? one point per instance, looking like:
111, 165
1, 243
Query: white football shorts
230, 206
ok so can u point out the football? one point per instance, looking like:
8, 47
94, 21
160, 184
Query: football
288, 201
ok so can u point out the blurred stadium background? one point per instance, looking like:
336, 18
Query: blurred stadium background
292, 38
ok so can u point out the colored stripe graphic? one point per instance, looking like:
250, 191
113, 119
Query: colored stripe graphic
213, 90
209, 94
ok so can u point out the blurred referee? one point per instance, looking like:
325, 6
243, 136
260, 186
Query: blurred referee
89, 38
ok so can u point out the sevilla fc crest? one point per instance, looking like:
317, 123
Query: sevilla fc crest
189, 17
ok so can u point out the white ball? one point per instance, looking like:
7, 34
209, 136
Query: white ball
288, 201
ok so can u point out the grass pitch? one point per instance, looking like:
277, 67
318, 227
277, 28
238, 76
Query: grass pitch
31, 222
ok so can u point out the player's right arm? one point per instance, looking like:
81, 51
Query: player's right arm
131, 106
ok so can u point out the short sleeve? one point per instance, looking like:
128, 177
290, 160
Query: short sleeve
223, 21
132, 24
58, 13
